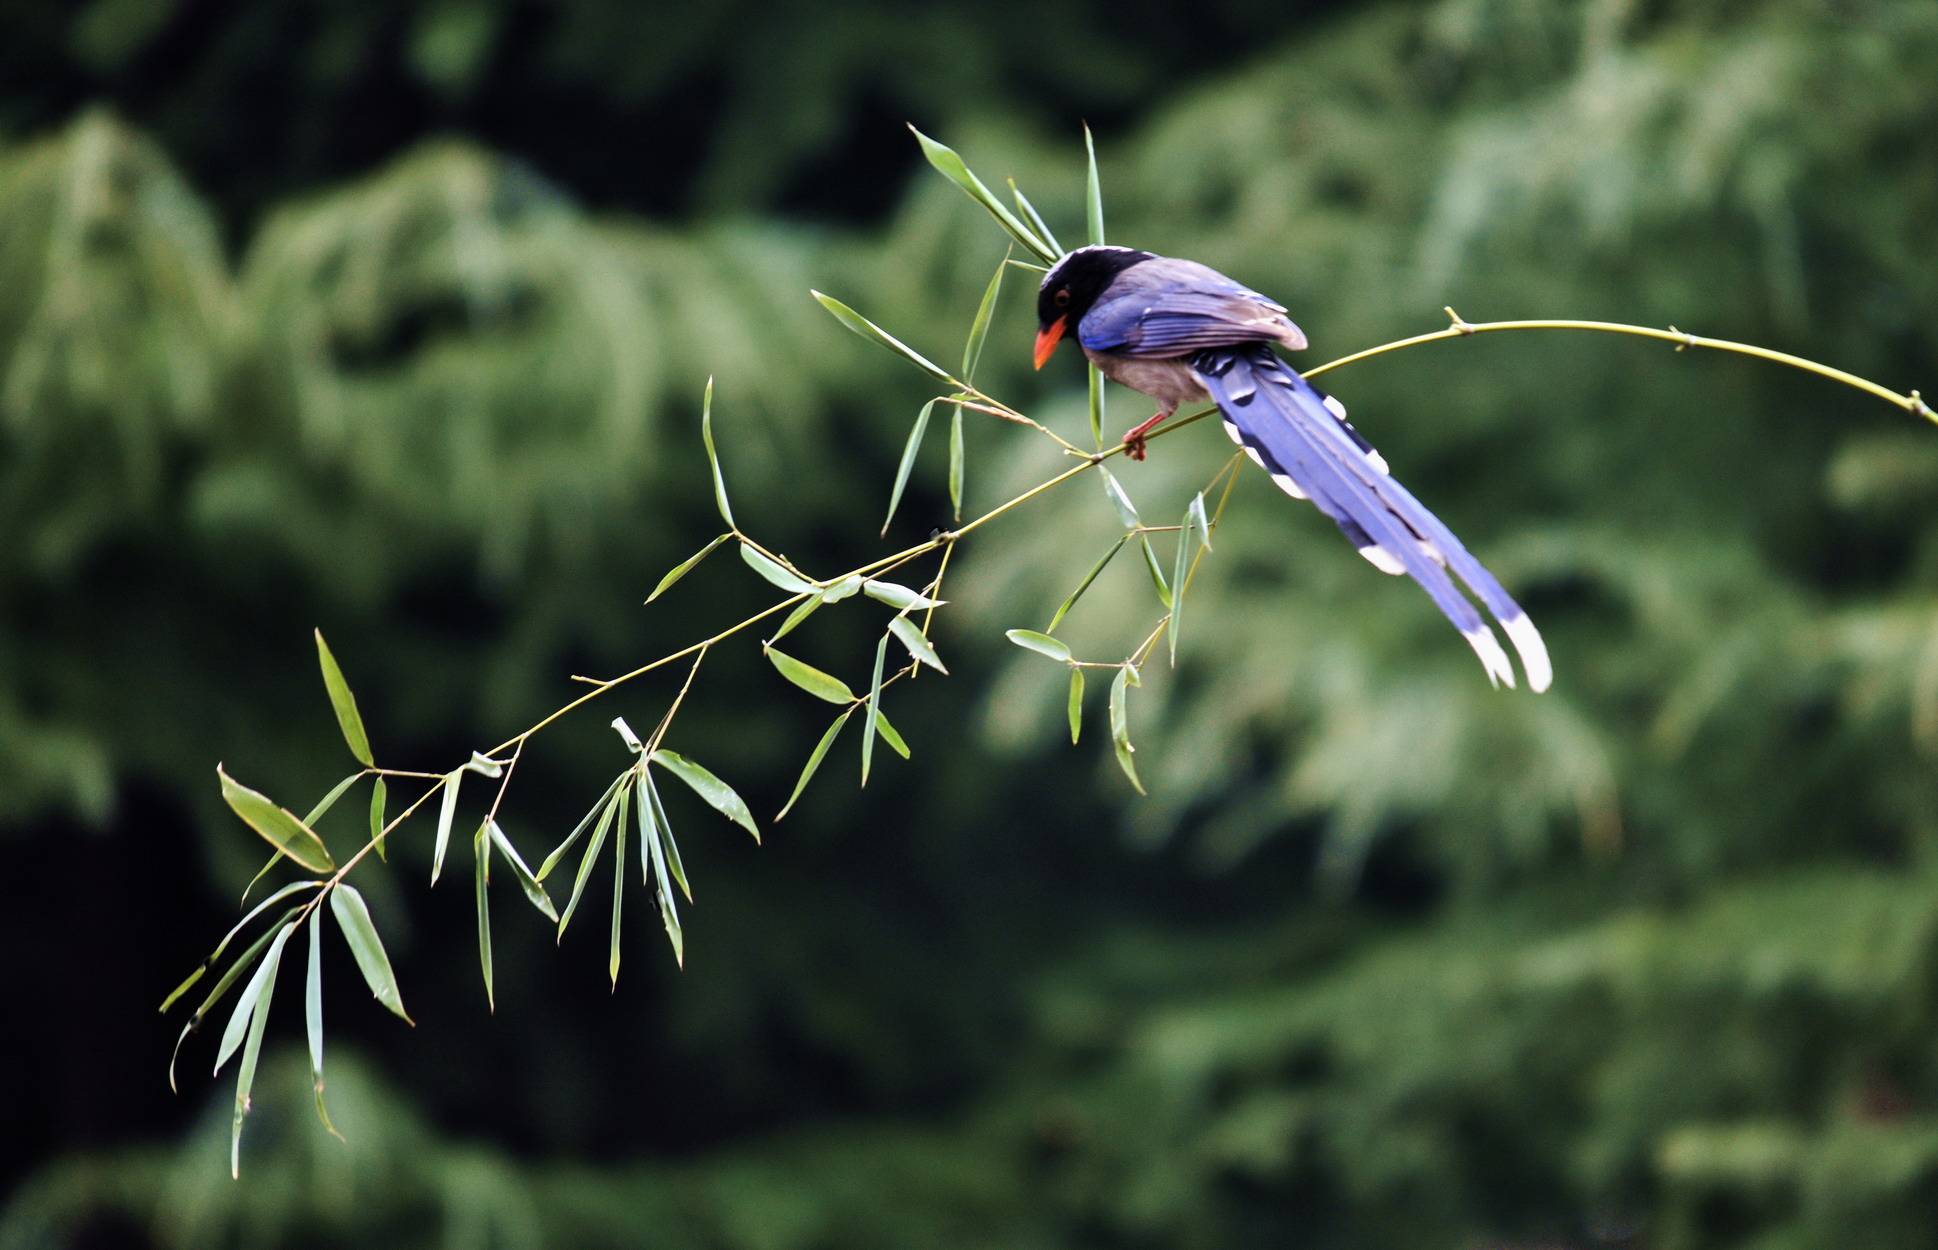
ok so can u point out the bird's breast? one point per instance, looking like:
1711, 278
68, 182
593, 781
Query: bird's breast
1170, 382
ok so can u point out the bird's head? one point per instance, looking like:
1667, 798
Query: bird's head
1072, 286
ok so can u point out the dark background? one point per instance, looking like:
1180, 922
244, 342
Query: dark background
393, 320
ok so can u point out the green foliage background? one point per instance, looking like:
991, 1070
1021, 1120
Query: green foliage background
393, 320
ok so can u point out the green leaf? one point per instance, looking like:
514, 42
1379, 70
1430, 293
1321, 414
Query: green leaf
1023, 264
278, 826
251, 996
951, 167
956, 459
592, 849
1157, 574
526, 881
344, 702
1177, 584
1070, 602
719, 795
713, 458
1042, 644
446, 812
1097, 417
814, 760
1120, 724
875, 334
379, 799
776, 574
889, 735
275, 857
313, 1017
1076, 703
228, 937
329, 800
585, 822
353, 917
481, 877
874, 702
1197, 525
246, 1072
918, 646
907, 465
619, 884
666, 851
805, 609
1120, 500
686, 566
847, 588
979, 328
1035, 218
243, 962
817, 683
897, 596
1093, 190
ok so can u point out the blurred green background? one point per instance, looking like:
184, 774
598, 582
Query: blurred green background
393, 319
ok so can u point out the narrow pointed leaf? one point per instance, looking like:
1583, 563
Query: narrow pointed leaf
251, 996
1093, 191
648, 825
956, 459
1197, 526
353, 917
847, 588
1034, 218
592, 849
666, 850
669, 912
874, 702
875, 334
889, 735
1177, 587
246, 1071
1042, 644
1120, 725
1032, 267
713, 457
918, 646
907, 465
952, 167
446, 813
807, 608
687, 565
345, 703
618, 887
1063, 608
526, 881
313, 1017
229, 937
275, 857
379, 800
1157, 574
329, 800
719, 795
578, 830
1097, 416
815, 757
481, 879
243, 963
776, 574
1076, 703
1119, 499
898, 596
817, 683
979, 328
278, 826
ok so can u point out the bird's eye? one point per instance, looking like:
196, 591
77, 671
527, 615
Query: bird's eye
1062, 298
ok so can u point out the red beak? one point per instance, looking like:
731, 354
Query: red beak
1047, 338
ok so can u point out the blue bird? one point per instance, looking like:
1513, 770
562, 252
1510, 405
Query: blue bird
1181, 333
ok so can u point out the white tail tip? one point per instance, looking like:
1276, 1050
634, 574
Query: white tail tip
1534, 653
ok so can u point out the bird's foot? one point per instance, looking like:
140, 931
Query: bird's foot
1134, 441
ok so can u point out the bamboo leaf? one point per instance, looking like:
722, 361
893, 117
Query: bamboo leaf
1177, 585
776, 574
669, 858
898, 596
719, 795
1042, 644
817, 683
526, 881
713, 458
484, 765
278, 826
228, 937
329, 800
1120, 724
874, 702
979, 328
875, 334
907, 465
951, 167
1076, 703
1093, 190
815, 757
918, 646
313, 1017
592, 850
345, 703
662, 850
481, 878
252, 993
618, 885
956, 459
687, 565
258, 1022
1157, 574
1119, 499
1063, 608
807, 608
889, 735
353, 917
585, 822
1197, 525
648, 826
243, 963
446, 813
1028, 210
379, 799
847, 588
275, 857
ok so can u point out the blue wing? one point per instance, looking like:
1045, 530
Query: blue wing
1167, 308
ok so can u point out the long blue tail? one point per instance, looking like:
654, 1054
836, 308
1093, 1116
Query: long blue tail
1303, 440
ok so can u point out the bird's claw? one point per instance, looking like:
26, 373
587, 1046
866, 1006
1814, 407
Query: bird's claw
1134, 445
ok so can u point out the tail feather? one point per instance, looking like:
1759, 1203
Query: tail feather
1301, 437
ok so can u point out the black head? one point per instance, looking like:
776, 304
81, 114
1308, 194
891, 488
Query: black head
1072, 286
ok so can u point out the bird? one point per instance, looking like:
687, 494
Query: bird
1181, 332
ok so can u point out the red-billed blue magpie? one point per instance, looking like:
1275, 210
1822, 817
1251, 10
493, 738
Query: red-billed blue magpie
1181, 332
